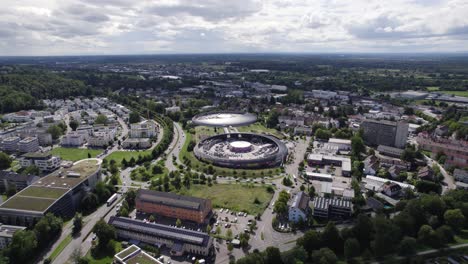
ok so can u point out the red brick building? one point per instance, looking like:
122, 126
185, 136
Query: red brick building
173, 205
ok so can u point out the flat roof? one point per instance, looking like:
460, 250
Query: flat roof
158, 230
339, 141
45, 191
172, 199
226, 118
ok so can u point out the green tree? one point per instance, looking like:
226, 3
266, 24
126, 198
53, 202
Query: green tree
310, 241
48, 227
352, 248
5, 161
134, 117
273, 256
229, 234
101, 120
322, 134
455, 219
22, 245
104, 233
324, 256
331, 238
77, 223
357, 145
55, 131
178, 222
73, 124
407, 246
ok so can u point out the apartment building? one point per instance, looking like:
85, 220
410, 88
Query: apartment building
455, 150
44, 161
29, 144
10, 144
144, 129
387, 133
299, 209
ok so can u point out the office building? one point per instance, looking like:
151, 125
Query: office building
144, 129
387, 133
332, 208
178, 240
60, 193
173, 205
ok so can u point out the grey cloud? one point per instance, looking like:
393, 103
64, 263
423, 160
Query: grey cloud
209, 10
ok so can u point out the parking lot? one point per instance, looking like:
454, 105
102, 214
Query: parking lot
238, 222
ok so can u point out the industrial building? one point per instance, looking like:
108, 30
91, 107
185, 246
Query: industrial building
178, 240
387, 133
332, 208
173, 205
59, 193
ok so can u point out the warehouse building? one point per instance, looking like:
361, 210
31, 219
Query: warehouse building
179, 240
332, 208
173, 205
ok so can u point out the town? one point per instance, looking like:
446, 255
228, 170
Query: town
228, 162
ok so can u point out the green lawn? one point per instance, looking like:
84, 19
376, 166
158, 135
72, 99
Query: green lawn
458, 93
259, 128
201, 166
60, 247
432, 88
118, 156
236, 197
74, 154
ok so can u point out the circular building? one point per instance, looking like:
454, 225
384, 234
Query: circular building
242, 150
224, 119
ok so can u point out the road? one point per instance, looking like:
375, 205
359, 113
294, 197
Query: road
448, 179
175, 147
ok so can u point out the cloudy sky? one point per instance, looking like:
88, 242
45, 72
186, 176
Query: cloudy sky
81, 27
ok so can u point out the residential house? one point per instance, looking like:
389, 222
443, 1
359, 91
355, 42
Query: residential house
299, 209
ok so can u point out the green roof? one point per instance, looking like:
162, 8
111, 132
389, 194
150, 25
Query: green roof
28, 203
141, 258
41, 192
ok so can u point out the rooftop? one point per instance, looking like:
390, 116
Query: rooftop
172, 199
44, 192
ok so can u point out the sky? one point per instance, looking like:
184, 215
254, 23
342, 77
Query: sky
102, 27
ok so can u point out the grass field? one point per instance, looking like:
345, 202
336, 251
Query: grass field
118, 156
259, 128
74, 154
27, 203
201, 166
60, 247
458, 93
432, 88
235, 197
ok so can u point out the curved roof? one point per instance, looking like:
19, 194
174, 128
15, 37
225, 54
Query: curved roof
223, 119
241, 144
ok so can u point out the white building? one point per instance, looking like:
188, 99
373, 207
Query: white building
299, 209
341, 144
73, 139
44, 161
103, 136
144, 129
29, 144
10, 144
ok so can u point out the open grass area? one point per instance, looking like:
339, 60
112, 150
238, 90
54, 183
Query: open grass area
261, 129
235, 197
202, 131
118, 156
74, 154
35, 191
60, 247
202, 166
458, 93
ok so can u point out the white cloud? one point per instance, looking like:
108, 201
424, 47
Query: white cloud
54, 27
